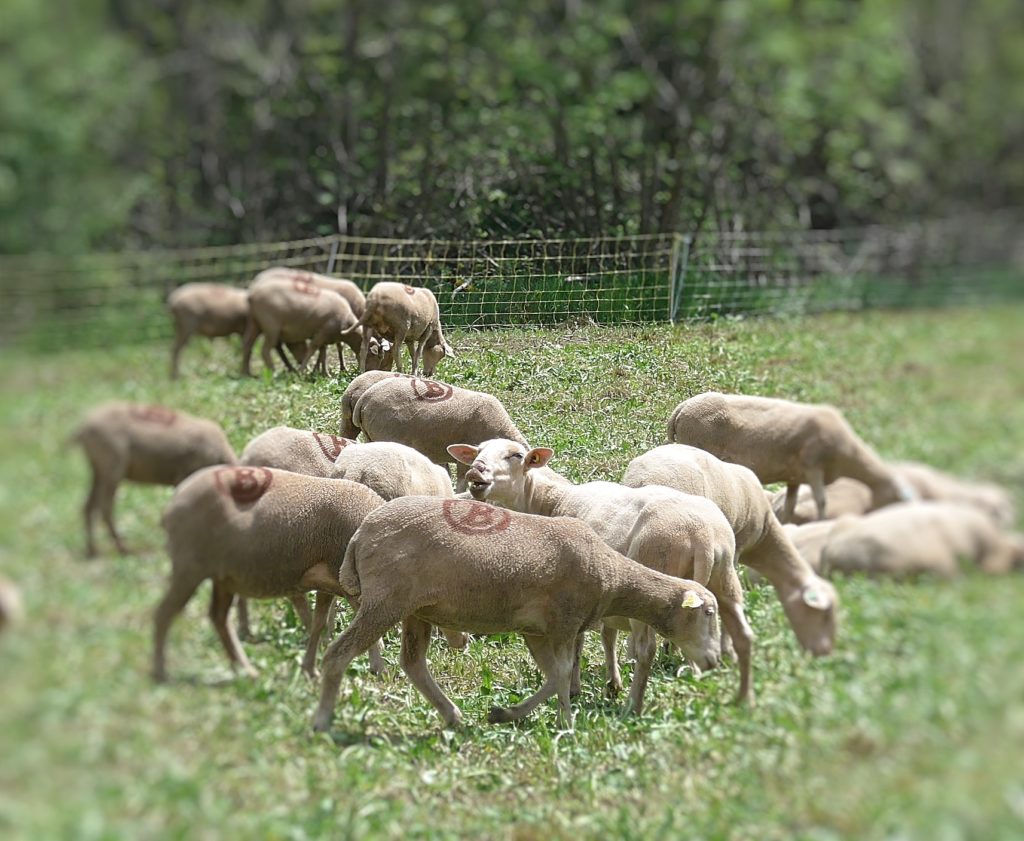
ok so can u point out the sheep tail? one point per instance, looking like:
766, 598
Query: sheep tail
348, 578
670, 430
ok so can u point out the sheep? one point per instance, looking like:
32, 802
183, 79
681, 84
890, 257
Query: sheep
354, 391
346, 288
916, 538
810, 602
393, 470
206, 309
409, 315
848, 496
783, 441
428, 416
10, 604
142, 443
674, 533
260, 533
297, 450
295, 311
472, 566
809, 540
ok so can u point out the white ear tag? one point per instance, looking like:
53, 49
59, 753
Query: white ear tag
813, 597
691, 599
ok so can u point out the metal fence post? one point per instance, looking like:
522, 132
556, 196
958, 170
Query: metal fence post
679, 276
673, 268
333, 256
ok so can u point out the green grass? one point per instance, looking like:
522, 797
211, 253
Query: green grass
914, 728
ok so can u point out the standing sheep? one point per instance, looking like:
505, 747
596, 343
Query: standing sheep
429, 416
472, 566
677, 534
260, 533
810, 603
206, 309
407, 315
294, 311
346, 288
917, 538
783, 441
149, 444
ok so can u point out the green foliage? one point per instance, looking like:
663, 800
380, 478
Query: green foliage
201, 123
914, 728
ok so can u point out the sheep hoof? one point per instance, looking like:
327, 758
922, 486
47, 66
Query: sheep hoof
613, 688
321, 723
313, 674
159, 676
498, 715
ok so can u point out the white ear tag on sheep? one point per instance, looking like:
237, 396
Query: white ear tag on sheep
691, 599
813, 597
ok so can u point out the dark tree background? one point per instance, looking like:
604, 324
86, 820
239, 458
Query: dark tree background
127, 123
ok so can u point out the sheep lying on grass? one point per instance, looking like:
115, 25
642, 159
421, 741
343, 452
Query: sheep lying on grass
918, 538
260, 533
141, 443
677, 534
293, 312
205, 309
409, 315
783, 441
472, 566
810, 602
848, 496
428, 416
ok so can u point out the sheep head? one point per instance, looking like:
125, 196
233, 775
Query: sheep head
498, 469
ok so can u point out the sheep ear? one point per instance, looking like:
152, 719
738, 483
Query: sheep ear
538, 457
449, 350
816, 598
463, 453
691, 599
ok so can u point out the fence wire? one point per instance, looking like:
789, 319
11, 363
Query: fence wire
98, 299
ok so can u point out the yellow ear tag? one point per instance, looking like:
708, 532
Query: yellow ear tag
691, 599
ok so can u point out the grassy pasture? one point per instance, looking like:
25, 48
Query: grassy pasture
913, 729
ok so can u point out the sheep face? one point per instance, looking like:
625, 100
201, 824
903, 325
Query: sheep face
693, 625
433, 354
498, 469
811, 611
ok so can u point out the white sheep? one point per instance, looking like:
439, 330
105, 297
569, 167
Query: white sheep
297, 450
428, 416
293, 312
142, 443
469, 565
677, 534
393, 470
346, 288
354, 391
205, 309
810, 602
260, 533
407, 315
919, 538
784, 441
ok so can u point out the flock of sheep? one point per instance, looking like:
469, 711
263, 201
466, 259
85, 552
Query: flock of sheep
514, 546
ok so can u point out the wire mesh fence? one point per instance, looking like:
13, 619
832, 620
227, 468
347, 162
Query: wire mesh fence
51, 302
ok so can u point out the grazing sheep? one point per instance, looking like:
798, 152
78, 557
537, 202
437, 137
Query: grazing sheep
848, 496
150, 444
346, 288
355, 390
921, 538
678, 534
260, 533
206, 309
482, 569
296, 311
10, 604
783, 441
408, 315
428, 416
810, 603
297, 450
393, 470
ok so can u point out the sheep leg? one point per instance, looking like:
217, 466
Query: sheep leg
324, 600
173, 602
792, 492
816, 479
416, 350
319, 577
370, 623
89, 512
244, 629
181, 337
341, 359
574, 679
735, 622
270, 340
543, 652
609, 638
364, 348
399, 340
301, 605
252, 332
415, 639
106, 501
646, 646
221, 600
